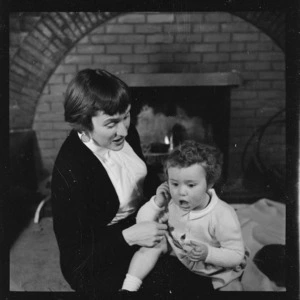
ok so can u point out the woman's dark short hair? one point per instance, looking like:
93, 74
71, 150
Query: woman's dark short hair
91, 91
190, 152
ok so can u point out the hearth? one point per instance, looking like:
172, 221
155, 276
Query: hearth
170, 108
166, 116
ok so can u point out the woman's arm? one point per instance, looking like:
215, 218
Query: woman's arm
84, 201
82, 207
146, 234
81, 213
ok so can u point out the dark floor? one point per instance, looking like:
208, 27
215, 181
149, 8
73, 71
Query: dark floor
34, 260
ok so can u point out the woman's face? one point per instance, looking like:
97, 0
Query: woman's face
110, 131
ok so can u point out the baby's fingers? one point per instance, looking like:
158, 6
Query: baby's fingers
194, 257
163, 219
195, 252
166, 195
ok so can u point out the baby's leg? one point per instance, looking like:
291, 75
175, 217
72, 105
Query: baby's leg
142, 263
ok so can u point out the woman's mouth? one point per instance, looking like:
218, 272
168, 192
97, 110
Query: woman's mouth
118, 140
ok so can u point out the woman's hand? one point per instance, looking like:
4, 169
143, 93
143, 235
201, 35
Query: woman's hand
146, 234
163, 196
198, 251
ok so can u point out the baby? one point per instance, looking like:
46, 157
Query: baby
204, 231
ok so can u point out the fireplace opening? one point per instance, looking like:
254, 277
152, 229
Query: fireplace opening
166, 116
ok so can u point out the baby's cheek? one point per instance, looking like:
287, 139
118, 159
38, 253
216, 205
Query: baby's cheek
172, 192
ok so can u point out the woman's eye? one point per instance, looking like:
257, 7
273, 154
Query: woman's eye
111, 125
174, 184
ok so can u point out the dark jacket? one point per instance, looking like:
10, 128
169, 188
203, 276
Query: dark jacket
84, 201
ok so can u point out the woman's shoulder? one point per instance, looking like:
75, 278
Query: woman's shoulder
75, 156
68, 150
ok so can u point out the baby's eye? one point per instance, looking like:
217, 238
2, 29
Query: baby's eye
174, 184
191, 185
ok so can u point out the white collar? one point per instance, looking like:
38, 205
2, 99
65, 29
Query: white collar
195, 214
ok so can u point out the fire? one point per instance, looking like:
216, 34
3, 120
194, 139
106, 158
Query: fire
169, 141
166, 140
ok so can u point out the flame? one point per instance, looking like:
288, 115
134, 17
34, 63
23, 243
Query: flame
166, 140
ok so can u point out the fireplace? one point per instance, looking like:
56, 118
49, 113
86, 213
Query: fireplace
170, 108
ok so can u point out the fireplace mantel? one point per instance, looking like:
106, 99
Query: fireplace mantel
182, 79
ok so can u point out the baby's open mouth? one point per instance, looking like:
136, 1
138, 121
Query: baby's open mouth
184, 204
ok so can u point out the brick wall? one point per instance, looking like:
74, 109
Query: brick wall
175, 43
20, 24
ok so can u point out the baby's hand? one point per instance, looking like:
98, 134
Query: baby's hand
163, 218
198, 251
163, 196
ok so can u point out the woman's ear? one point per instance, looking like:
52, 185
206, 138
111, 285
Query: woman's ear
85, 137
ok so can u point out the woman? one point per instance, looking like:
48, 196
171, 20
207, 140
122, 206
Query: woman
97, 188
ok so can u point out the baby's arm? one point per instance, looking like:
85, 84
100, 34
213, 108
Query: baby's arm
227, 231
153, 209
149, 211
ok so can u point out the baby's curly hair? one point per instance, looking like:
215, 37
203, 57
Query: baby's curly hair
190, 152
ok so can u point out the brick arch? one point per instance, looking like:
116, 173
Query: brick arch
271, 23
55, 33
41, 51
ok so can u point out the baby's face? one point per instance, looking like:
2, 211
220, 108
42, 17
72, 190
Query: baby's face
188, 187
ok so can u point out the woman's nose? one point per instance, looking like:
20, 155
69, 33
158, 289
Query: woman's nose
122, 129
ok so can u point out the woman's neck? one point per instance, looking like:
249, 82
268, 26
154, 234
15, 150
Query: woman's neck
94, 147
